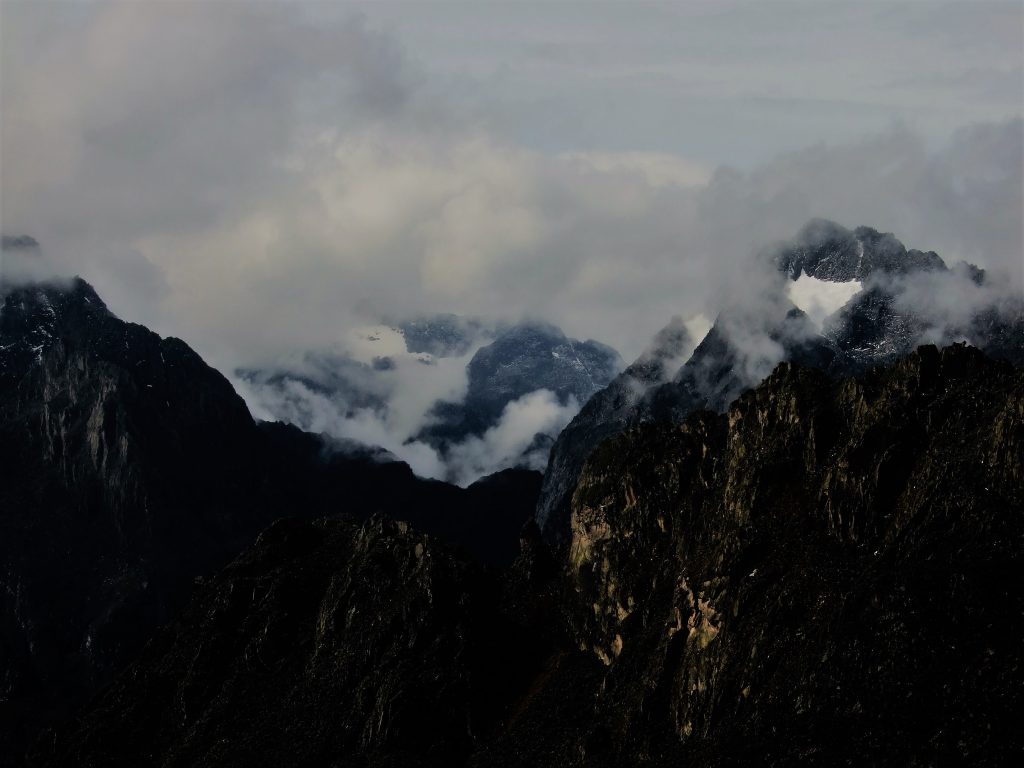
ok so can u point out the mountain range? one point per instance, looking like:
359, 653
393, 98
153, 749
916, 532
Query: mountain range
794, 541
880, 323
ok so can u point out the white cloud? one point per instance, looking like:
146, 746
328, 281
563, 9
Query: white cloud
504, 444
257, 180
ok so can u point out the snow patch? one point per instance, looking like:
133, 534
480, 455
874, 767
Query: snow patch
369, 342
821, 298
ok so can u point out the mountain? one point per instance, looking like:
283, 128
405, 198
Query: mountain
824, 573
523, 359
131, 468
893, 308
445, 335
326, 643
18, 243
827, 251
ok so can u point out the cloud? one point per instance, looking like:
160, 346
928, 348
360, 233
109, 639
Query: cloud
365, 384
393, 423
948, 305
507, 442
296, 403
258, 180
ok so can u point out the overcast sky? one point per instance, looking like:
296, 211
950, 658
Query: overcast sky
256, 177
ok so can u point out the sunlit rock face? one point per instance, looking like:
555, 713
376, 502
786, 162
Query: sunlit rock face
826, 567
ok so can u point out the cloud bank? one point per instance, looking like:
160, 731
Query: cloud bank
263, 178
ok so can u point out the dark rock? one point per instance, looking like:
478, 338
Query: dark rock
827, 251
826, 573
131, 468
325, 644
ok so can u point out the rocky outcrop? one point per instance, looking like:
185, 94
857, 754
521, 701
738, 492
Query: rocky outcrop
828, 251
125, 474
823, 572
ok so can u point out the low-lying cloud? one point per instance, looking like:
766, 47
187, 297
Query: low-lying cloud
511, 442
508, 443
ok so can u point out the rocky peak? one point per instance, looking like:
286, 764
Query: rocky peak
827, 251
537, 355
892, 314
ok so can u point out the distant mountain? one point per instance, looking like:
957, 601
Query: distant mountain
445, 335
18, 243
827, 251
131, 468
525, 358
889, 315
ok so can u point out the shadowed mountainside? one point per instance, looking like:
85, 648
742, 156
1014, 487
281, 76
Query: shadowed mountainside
826, 570
132, 468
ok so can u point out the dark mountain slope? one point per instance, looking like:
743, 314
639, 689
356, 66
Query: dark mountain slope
826, 574
130, 468
123, 459
327, 643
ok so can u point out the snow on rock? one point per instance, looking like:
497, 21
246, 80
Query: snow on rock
821, 298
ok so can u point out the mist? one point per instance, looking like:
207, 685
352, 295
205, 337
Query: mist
264, 180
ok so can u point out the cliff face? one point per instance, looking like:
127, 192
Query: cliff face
121, 454
131, 468
826, 573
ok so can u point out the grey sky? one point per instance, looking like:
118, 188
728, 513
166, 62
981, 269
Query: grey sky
695, 78
259, 176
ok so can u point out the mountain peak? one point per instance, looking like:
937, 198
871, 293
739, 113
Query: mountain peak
18, 243
826, 250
